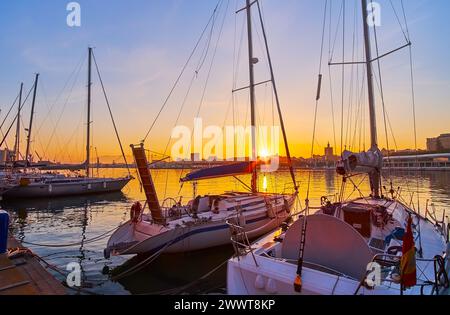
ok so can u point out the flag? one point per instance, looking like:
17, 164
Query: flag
408, 261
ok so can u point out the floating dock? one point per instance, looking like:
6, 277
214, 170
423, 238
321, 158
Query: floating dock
26, 276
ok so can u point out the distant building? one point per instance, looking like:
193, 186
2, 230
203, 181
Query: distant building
6, 156
439, 144
329, 153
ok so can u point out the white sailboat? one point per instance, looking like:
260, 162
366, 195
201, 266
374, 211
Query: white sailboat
351, 247
202, 223
31, 183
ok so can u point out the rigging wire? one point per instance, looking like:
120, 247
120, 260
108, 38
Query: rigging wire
405, 32
413, 97
69, 141
12, 106
16, 117
329, 75
383, 102
10, 109
77, 73
48, 116
343, 77
111, 114
182, 72
212, 60
337, 30
317, 99
197, 71
347, 141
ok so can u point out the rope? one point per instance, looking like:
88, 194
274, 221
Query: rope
145, 262
17, 252
191, 284
111, 114
97, 238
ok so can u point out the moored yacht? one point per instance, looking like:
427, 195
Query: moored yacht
345, 244
372, 245
28, 182
171, 227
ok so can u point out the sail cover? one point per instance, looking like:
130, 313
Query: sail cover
221, 171
360, 162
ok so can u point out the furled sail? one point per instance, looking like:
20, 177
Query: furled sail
234, 169
364, 162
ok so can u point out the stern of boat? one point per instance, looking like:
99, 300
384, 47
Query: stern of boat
122, 239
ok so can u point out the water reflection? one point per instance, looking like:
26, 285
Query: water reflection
80, 219
59, 204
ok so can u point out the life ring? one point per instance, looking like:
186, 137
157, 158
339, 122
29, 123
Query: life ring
24, 182
135, 212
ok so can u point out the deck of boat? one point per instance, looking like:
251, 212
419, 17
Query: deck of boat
26, 276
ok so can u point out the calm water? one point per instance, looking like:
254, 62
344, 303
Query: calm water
75, 220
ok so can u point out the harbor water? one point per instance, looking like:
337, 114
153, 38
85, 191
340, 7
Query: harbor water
68, 225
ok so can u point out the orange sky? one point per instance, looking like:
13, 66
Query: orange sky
152, 42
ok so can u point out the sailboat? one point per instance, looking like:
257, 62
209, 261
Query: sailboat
204, 221
373, 245
34, 184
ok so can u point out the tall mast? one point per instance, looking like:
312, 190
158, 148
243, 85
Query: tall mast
374, 176
17, 142
88, 133
27, 152
251, 62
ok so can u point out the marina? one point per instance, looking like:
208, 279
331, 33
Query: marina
195, 164
25, 275
72, 219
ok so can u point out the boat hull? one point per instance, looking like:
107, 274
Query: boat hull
276, 275
151, 238
67, 188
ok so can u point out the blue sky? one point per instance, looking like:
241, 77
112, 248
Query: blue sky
141, 46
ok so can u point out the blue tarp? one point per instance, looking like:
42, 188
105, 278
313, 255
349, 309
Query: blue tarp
221, 171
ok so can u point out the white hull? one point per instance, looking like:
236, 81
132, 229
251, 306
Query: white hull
147, 238
65, 187
275, 273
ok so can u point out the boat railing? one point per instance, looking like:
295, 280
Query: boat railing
393, 274
441, 224
239, 240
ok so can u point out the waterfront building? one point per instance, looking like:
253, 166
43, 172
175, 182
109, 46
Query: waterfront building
439, 144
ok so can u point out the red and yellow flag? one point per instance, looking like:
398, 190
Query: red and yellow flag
408, 262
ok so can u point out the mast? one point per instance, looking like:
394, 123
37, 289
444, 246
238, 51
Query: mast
88, 133
251, 62
17, 142
27, 152
277, 99
374, 176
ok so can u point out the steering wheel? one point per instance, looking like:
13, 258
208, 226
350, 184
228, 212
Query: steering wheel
169, 203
